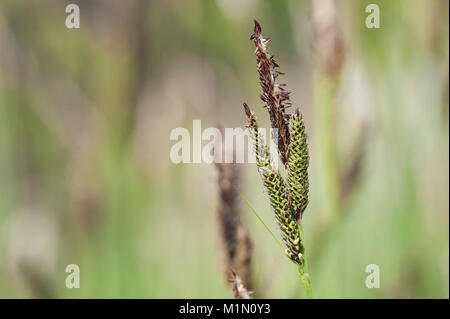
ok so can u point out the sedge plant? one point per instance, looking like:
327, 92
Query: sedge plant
288, 195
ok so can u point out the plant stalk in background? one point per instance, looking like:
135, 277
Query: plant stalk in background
236, 241
288, 196
239, 290
337, 182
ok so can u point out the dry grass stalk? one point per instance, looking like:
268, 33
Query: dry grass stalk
234, 235
329, 48
239, 289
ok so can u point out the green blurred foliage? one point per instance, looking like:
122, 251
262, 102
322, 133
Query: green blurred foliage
85, 174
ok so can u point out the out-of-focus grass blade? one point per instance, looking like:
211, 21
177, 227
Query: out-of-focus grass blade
260, 219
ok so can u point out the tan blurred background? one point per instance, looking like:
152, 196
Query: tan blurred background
85, 119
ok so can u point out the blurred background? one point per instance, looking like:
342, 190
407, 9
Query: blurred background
85, 119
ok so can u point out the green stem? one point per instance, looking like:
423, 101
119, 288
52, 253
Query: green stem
328, 171
303, 268
304, 276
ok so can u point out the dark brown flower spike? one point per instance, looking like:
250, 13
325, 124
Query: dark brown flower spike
236, 241
275, 97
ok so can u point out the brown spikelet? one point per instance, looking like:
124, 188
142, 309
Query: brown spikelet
234, 235
329, 48
239, 289
275, 97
